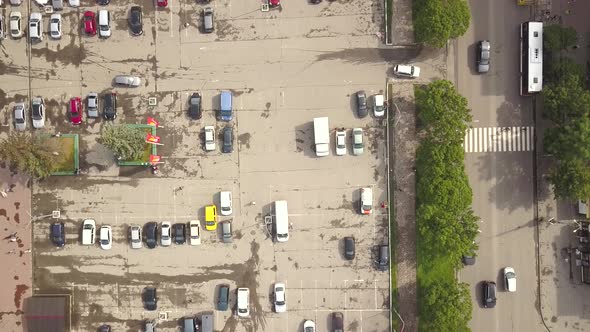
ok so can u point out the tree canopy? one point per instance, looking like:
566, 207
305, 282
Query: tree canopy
127, 143
437, 21
448, 304
558, 38
29, 154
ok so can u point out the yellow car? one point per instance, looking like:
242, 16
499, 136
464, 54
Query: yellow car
211, 217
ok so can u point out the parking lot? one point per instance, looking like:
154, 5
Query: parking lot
284, 67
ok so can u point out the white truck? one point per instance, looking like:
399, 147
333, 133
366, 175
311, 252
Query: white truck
321, 131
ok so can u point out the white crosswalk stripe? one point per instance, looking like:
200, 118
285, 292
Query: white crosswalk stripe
499, 139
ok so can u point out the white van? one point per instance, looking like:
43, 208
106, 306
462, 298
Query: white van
104, 23
282, 221
88, 232
243, 302
225, 203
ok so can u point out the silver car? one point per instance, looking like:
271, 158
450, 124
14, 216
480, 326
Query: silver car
20, 118
16, 30
226, 232
2, 29
36, 26
127, 80
38, 110
92, 105
135, 237
55, 26
357, 141
483, 56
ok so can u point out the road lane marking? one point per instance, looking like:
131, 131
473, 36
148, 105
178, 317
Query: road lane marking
498, 139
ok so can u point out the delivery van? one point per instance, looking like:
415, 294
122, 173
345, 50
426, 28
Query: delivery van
282, 221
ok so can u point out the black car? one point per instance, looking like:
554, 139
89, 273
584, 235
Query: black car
58, 234
361, 104
104, 328
194, 110
228, 144
150, 300
110, 106
103, 2
489, 294
151, 234
178, 231
315, 2
337, 322
383, 258
468, 260
349, 248
135, 21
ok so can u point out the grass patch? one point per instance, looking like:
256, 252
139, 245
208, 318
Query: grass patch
66, 160
395, 322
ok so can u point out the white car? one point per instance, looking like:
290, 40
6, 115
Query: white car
366, 201
378, 106
135, 237
55, 26
38, 110
509, 279
243, 302
74, 3
166, 238
340, 143
209, 138
92, 105
14, 2
16, 30
104, 23
225, 203
106, 241
2, 32
194, 232
408, 71
308, 326
357, 141
20, 116
36, 26
127, 80
280, 301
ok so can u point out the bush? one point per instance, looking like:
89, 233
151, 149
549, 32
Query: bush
437, 21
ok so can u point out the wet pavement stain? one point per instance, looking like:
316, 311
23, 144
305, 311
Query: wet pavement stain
3, 212
18, 294
17, 218
244, 140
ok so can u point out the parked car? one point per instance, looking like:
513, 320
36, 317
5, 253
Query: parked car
103, 2
361, 104
243, 299
468, 260
58, 234
489, 294
151, 234
36, 26
366, 205
74, 3
104, 328
383, 258
16, 30
55, 26
483, 56
20, 116
407, 71
209, 138
337, 322
280, 300
38, 112
195, 232
127, 80
315, 2
135, 237
225, 203
309, 325
104, 23
358, 147
349, 248
92, 105
226, 234
162, 3
110, 106
208, 20
76, 110
228, 144
150, 299
89, 23
135, 21
509, 279
223, 298
179, 231
194, 110
2, 28
106, 241
340, 142
378, 106
210, 217
165, 236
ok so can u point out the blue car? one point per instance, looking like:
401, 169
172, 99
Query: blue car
58, 234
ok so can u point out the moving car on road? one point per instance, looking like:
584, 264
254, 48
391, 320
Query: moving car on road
489, 294
509, 279
407, 71
483, 56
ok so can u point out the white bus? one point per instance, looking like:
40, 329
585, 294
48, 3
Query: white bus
531, 58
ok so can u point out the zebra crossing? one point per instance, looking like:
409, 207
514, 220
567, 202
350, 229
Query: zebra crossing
499, 139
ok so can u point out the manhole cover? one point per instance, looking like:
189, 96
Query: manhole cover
152, 101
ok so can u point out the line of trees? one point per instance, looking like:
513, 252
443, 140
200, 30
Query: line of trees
567, 105
446, 224
437, 21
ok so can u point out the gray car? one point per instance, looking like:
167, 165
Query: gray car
128, 80
357, 142
38, 110
20, 118
361, 104
92, 105
226, 232
483, 56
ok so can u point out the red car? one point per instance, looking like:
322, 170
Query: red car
90, 23
76, 110
274, 3
162, 3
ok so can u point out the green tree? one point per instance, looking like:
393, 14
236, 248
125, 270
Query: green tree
557, 37
569, 141
566, 100
29, 154
571, 179
446, 307
557, 67
443, 112
127, 143
436, 21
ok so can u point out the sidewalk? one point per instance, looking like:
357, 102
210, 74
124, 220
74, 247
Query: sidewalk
402, 26
16, 257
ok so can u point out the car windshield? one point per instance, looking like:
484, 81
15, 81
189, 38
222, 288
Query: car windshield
104, 28
20, 120
37, 112
510, 275
309, 329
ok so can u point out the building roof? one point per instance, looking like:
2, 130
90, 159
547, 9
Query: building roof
46, 314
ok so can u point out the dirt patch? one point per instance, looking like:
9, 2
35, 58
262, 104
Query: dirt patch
18, 294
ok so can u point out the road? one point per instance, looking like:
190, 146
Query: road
500, 173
